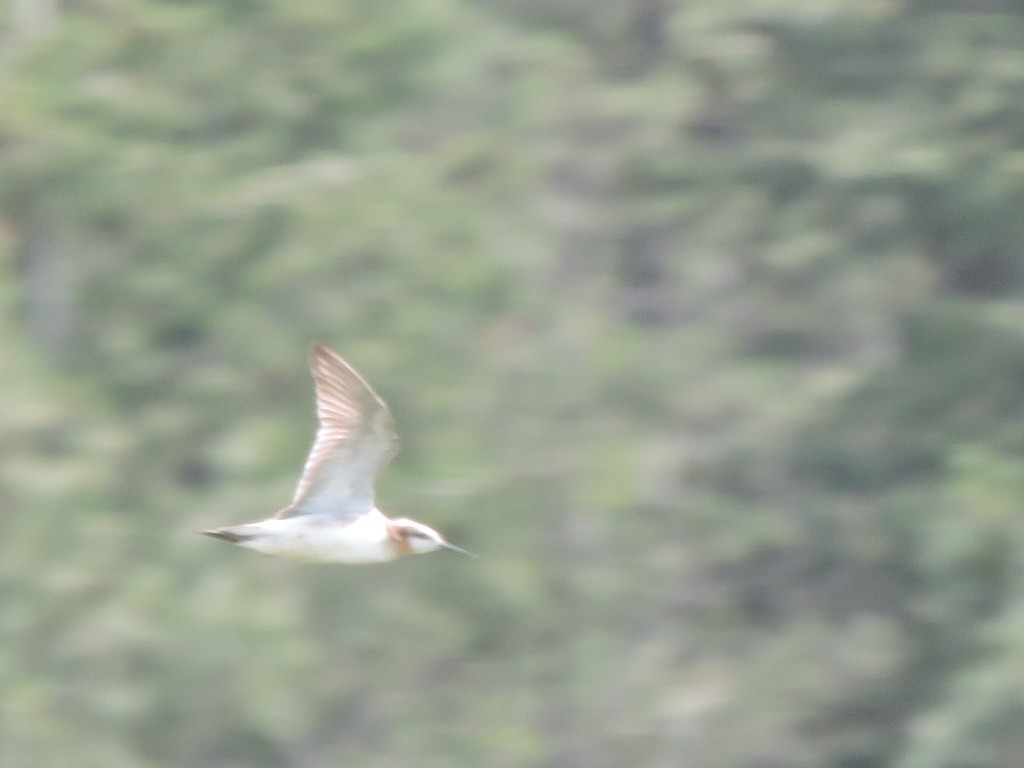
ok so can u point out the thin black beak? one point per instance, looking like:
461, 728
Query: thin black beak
453, 548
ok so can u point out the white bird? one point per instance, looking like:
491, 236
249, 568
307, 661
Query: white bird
333, 516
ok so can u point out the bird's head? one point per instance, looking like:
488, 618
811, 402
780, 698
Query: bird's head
419, 538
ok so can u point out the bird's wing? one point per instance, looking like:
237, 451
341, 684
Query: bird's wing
355, 440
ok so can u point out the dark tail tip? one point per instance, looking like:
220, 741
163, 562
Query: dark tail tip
226, 534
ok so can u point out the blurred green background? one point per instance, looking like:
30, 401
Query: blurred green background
702, 323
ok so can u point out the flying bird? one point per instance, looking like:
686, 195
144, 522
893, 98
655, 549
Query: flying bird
333, 516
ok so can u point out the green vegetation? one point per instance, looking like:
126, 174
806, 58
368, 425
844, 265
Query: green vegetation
701, 323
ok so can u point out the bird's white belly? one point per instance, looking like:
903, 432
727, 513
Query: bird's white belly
308, 537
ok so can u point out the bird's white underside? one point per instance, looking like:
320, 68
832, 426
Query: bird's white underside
322, 538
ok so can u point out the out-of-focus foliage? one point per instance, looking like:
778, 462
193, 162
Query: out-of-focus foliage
701, 322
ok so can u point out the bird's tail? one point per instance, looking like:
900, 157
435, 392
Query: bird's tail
234, 535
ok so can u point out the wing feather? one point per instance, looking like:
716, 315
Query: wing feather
355, 441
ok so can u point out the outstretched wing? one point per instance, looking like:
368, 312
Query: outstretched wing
355, 441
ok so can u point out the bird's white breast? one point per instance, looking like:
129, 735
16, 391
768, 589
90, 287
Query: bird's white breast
317, 537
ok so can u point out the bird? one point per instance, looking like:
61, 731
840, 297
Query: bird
333, 516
